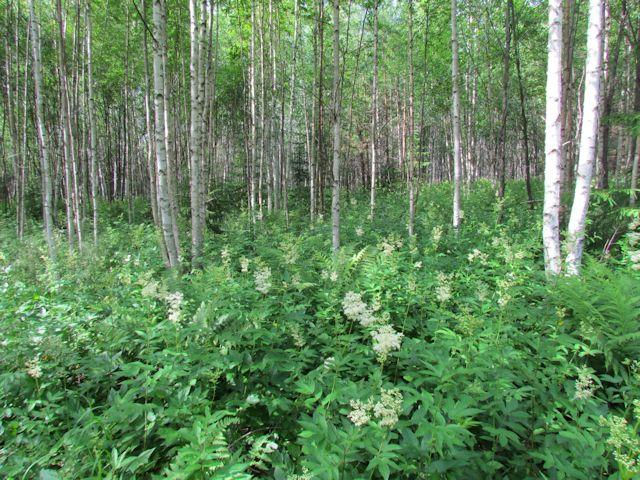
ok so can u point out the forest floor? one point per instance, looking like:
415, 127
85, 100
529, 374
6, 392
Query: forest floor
443, 356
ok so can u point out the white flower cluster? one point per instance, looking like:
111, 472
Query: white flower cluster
436, 235
385, 340
305, 475
175, 306
329, 363
151, 289
386, 409
296, 334
290, 253
355, 309
504, 288
624, 441
390, 244
34, 370
359, 231
360, 412
584, 386
326, 275
262, 279
244, 264
443, 289
477, 255
225, 255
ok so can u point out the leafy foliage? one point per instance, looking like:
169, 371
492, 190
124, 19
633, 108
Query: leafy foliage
113, 368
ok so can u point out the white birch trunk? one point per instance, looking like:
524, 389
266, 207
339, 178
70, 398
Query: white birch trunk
164, 205
335, 194
553, 143
588, 138
374, 110
92, 127
43, 141
455, 117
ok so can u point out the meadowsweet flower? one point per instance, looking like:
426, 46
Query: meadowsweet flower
443, 289
417, 265
387, 248
298, 339
360, 412
244, 264
305, 475
290, 253
329, 363
271, 446
385, 340
482, 291
334, 276
389, 407
476, 255
503, 299
353, 201
175, 306
150, 290
436, 234
624, 441
376, 306
253, 399
34, 370
359, 231
584, 385
262, 279
355, 309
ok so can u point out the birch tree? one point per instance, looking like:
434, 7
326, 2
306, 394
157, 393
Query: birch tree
91, 151
197, 79
164, 204
335, 113
374, 109
43, 140
553, 143
455, 116
411, 154
588, 138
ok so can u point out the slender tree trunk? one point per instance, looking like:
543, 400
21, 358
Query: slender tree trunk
411, 142
588, 138
455, 117
92, 125
196, 67
374, 111
289, 158
254, 118
523, 110
43, 141
505, 100
159, 49
634, 174
73, 210
335, 194
609, 88
553, 143
150, 150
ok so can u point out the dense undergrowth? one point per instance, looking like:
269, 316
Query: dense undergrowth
445, 356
